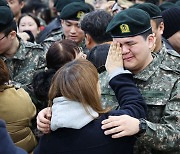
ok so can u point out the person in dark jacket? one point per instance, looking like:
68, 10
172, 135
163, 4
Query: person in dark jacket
7, 145
77, 112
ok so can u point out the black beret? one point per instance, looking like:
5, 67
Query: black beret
152, 9
60, 4
128, 23
74, 11
6, 17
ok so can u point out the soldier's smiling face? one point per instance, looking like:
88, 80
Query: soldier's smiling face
72, 30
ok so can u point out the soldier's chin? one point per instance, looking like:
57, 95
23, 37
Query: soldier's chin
73, 38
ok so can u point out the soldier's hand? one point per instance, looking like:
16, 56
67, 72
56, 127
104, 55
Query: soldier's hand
43, 120
119, 126
114, 58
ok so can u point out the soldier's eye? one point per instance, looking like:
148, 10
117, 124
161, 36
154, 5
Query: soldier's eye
67, 24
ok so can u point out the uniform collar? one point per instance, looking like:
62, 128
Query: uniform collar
149, 70
21, 52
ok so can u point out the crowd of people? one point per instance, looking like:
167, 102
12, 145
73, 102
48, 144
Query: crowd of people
90, 76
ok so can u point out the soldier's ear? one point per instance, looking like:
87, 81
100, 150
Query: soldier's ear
12, 34
151, 41
161, 27
88, 39
22, 4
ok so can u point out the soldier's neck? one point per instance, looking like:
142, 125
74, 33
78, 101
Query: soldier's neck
147, 63
158, 47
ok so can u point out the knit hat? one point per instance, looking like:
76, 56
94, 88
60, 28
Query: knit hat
171, 19
152, 9
74, 11
60, 4
7, 145
128, 23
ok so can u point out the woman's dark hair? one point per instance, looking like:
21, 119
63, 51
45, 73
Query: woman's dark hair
4, 73
58, 54
32, 16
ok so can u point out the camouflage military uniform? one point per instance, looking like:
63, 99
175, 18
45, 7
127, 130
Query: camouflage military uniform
28, 58
108, 97
170, 58
58, 35
160, 86
55, 35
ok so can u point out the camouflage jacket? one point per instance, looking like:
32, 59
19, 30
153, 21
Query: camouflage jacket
54, 36
28, 58
108, 97
160, 87
170, 58
58, 35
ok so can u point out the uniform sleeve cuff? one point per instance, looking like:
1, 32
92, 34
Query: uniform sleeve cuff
118, 71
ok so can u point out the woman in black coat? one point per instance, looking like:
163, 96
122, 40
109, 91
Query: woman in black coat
77, 112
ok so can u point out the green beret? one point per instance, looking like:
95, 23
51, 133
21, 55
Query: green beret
6, 17
74, 11
3, 3
167, 5
128, 23
178, 3
60, 4
152, 9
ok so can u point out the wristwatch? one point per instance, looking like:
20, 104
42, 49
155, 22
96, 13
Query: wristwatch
142, 126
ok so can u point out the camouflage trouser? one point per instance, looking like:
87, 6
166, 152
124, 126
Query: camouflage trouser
139, 148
